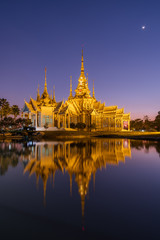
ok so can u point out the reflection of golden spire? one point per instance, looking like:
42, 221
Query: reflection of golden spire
93, 95
82, 208
70, 184
82, 65
37, 180
53, 177
94, 180
44, 188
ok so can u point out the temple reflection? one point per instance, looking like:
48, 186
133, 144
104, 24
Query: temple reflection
79, 158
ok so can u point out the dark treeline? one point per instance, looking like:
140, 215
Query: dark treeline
9, 119
146, 124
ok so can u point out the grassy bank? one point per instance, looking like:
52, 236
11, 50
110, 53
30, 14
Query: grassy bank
76, 135
65, 135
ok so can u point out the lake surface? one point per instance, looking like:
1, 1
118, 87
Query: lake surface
89, 189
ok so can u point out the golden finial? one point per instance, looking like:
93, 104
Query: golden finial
45, 93
93, 95
82, 65
54, 100
51, 94
45, 77
38, 95
87, 79
70, 96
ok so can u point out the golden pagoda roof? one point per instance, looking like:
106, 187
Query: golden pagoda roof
29, 106
57, 109
120, 111
34, 103
82, 89
110, 108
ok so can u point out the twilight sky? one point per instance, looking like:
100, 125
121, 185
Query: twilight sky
121, 57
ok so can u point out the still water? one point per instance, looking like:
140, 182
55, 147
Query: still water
91, 189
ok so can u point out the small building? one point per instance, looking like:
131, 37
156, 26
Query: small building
80, 108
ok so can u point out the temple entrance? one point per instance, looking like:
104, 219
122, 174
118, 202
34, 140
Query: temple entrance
125, 125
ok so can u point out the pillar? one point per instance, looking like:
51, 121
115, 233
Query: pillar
58, 121
65, 121
128, 125
36, 120
68, 120
115, 122
109, 122
53, 121
121, 124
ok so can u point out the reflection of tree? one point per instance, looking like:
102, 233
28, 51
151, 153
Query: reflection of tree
10, 153
146, 145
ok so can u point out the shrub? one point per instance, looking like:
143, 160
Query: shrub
80, 125
72, 125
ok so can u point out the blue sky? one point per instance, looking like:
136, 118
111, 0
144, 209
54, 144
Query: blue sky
121, 58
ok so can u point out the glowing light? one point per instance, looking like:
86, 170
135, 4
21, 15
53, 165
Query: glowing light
143, 27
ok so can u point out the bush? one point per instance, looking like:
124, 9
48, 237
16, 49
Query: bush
80, 125
46, 125
93, 126
72, 125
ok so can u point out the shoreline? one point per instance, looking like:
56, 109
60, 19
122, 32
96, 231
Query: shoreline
66, 135
78, 135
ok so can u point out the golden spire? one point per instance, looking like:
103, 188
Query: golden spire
38, 95
82, 89
54, 100
70, 96
82, 65
45, 85
93, 94
51, 95
45, 94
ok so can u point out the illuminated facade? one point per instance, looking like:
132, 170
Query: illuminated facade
82, 107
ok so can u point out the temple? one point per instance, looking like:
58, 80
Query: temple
79, 108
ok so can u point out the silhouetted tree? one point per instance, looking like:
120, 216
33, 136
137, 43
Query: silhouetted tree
93, 126
4, 108
136, 124
157, 122
80, 125
72, 125
15, 110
